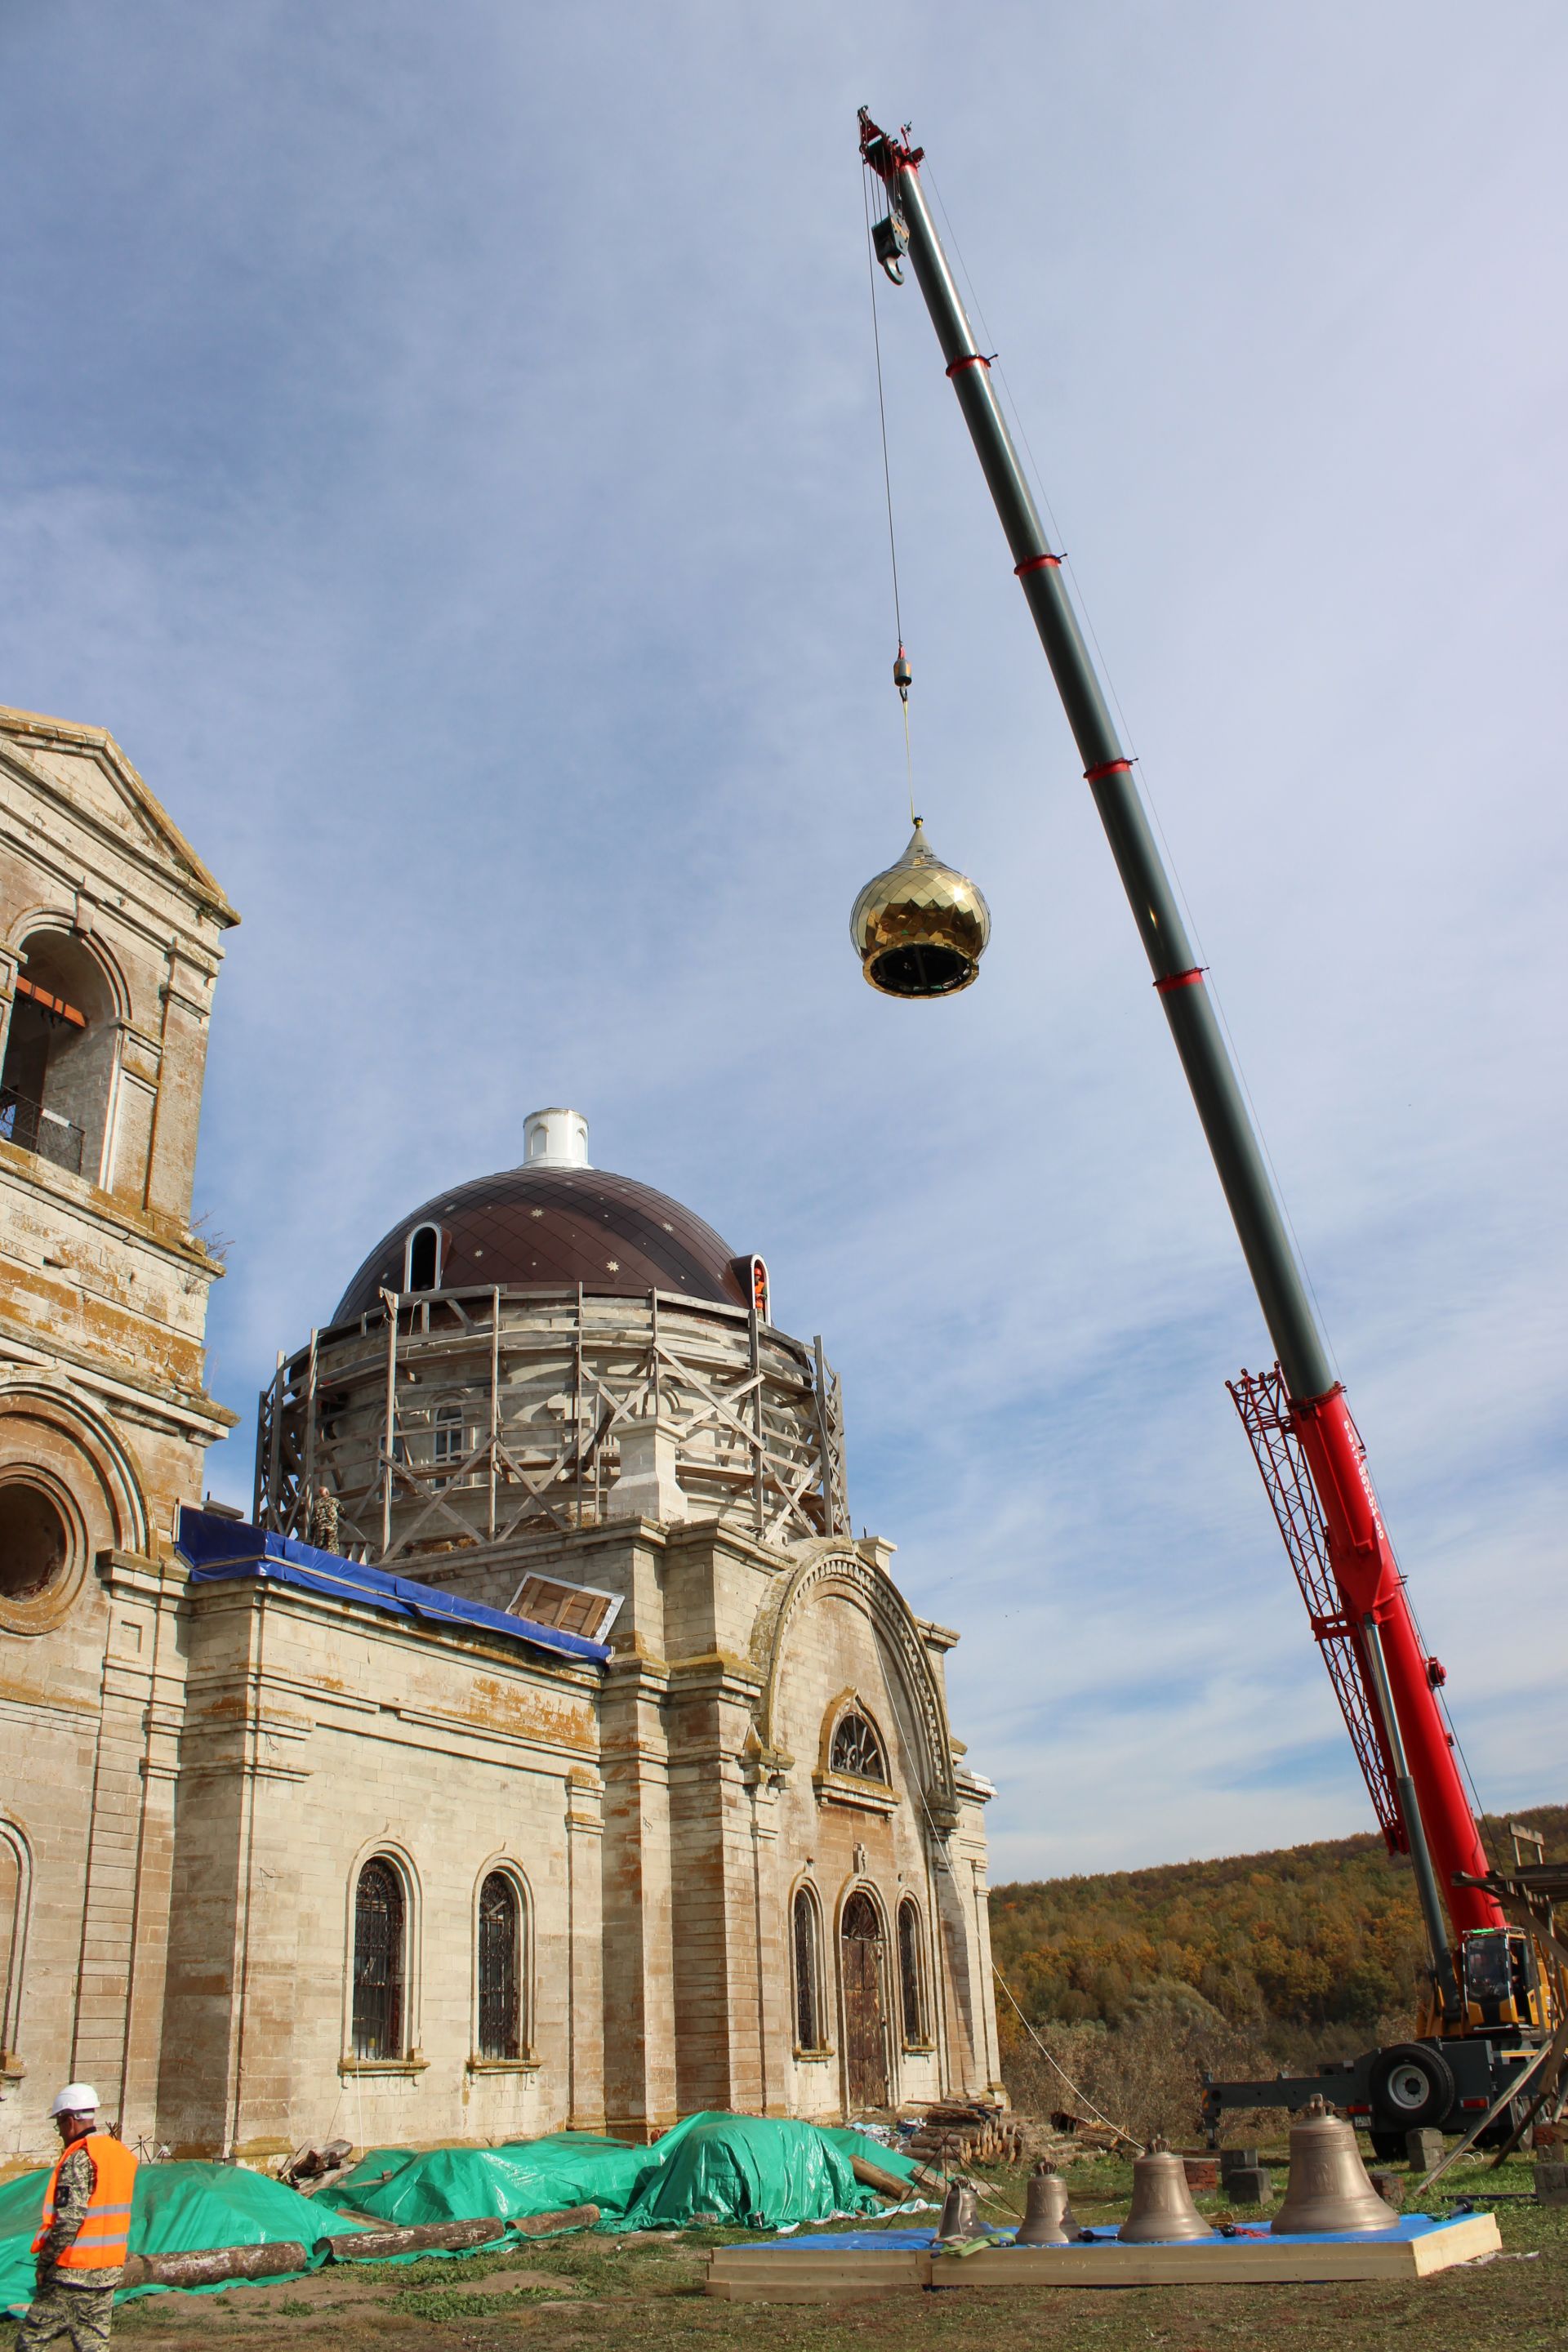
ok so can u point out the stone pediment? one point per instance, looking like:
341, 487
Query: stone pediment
85, 768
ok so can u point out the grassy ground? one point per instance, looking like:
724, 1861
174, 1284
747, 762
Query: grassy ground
628, 2295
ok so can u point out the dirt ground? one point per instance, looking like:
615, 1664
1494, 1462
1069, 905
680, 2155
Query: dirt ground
626, 2294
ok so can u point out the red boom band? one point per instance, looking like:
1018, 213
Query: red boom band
1106, 768
1034, 562
972, 359
1179, 979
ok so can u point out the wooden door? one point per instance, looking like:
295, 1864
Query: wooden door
865, 2040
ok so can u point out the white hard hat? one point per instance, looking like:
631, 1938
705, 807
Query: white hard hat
76, 2099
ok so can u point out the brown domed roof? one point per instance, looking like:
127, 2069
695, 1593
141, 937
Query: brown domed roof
556, 1225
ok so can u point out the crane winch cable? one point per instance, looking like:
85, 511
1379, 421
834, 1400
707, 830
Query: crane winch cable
901, 672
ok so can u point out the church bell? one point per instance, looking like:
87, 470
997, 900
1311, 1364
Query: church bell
1329, 2190
1163, 2206
1048, 2218
919, 929
960, 2216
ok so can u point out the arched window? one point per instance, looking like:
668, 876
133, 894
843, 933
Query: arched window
911, 1974
381, 1912
12, 1934
857, 1748
808, 2033
422, 1259
446, 1443
501, 1971
60, 1055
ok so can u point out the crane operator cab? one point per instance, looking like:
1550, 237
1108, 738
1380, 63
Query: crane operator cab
1501, 1984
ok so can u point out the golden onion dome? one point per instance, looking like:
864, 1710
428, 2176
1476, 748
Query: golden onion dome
920, 928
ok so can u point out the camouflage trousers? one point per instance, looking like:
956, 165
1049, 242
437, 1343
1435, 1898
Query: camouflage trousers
79, 2315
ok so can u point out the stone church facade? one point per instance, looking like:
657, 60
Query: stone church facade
545, 1751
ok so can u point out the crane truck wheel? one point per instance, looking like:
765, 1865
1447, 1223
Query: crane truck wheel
1412, 2086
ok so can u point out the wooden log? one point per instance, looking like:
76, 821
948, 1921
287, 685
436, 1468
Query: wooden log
210, 2265
872, 2176
452, 2237
571, 2216
426, 2237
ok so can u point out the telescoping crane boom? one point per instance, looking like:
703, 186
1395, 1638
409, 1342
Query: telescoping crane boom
1486, 1988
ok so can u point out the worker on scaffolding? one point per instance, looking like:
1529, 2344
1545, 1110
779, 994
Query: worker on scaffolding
80, 2251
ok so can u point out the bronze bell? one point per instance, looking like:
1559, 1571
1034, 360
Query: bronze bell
1162, 2204
1329, 2190
960, 2218
1048, 2218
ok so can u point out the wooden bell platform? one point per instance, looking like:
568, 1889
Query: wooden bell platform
854, 2266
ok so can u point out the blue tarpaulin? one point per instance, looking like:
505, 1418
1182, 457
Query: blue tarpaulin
220, 1550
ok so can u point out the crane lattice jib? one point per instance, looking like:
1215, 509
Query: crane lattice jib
1260, 1400
1366, 1579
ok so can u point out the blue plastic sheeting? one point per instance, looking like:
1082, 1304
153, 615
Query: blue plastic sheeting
220, 1550
919, 2242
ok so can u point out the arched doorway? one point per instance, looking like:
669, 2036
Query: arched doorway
865, 2035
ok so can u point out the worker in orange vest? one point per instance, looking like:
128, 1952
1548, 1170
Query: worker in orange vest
80, 2251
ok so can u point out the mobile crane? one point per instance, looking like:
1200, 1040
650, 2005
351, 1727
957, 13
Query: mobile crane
1493, 1995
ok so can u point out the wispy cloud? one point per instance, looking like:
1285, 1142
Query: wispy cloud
444, 452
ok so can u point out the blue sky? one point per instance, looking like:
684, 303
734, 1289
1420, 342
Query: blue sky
441, 445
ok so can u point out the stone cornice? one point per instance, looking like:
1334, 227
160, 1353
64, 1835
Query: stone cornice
181, 864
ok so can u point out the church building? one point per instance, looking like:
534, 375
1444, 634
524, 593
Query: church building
545, 1751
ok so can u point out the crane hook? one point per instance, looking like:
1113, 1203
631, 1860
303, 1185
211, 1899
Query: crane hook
903, 676
889, 243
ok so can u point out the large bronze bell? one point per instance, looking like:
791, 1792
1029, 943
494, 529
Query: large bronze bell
920, 928
1328, 2188
1048, 2218
960, 2214
1163, 2206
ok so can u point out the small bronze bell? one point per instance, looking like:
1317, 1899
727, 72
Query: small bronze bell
1328, 2188
1162, 2204
960, 2218
1048, 2218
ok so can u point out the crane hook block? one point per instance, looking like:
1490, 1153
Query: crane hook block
903, 676
890, 242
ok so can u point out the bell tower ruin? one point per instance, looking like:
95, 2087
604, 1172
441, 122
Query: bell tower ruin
111, 938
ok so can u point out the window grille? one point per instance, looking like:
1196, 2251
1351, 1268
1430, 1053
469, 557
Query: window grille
858, 1749
910, 1983
807, 2000
379, 1929
500, 1971
447, 1443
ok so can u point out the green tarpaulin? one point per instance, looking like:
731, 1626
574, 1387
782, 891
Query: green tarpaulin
746, 2171
179, 2208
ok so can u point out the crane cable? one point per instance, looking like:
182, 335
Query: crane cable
887, 486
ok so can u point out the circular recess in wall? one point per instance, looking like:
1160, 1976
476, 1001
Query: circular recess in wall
41, 1552
34, 1542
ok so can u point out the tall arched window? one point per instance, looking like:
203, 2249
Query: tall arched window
911, 1973
380, 1914
60, 1055
501, 1973
13, 1933
422, 1259
857, 1749
808, 2033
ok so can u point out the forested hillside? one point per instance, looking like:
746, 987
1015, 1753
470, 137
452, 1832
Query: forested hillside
1306, 1938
